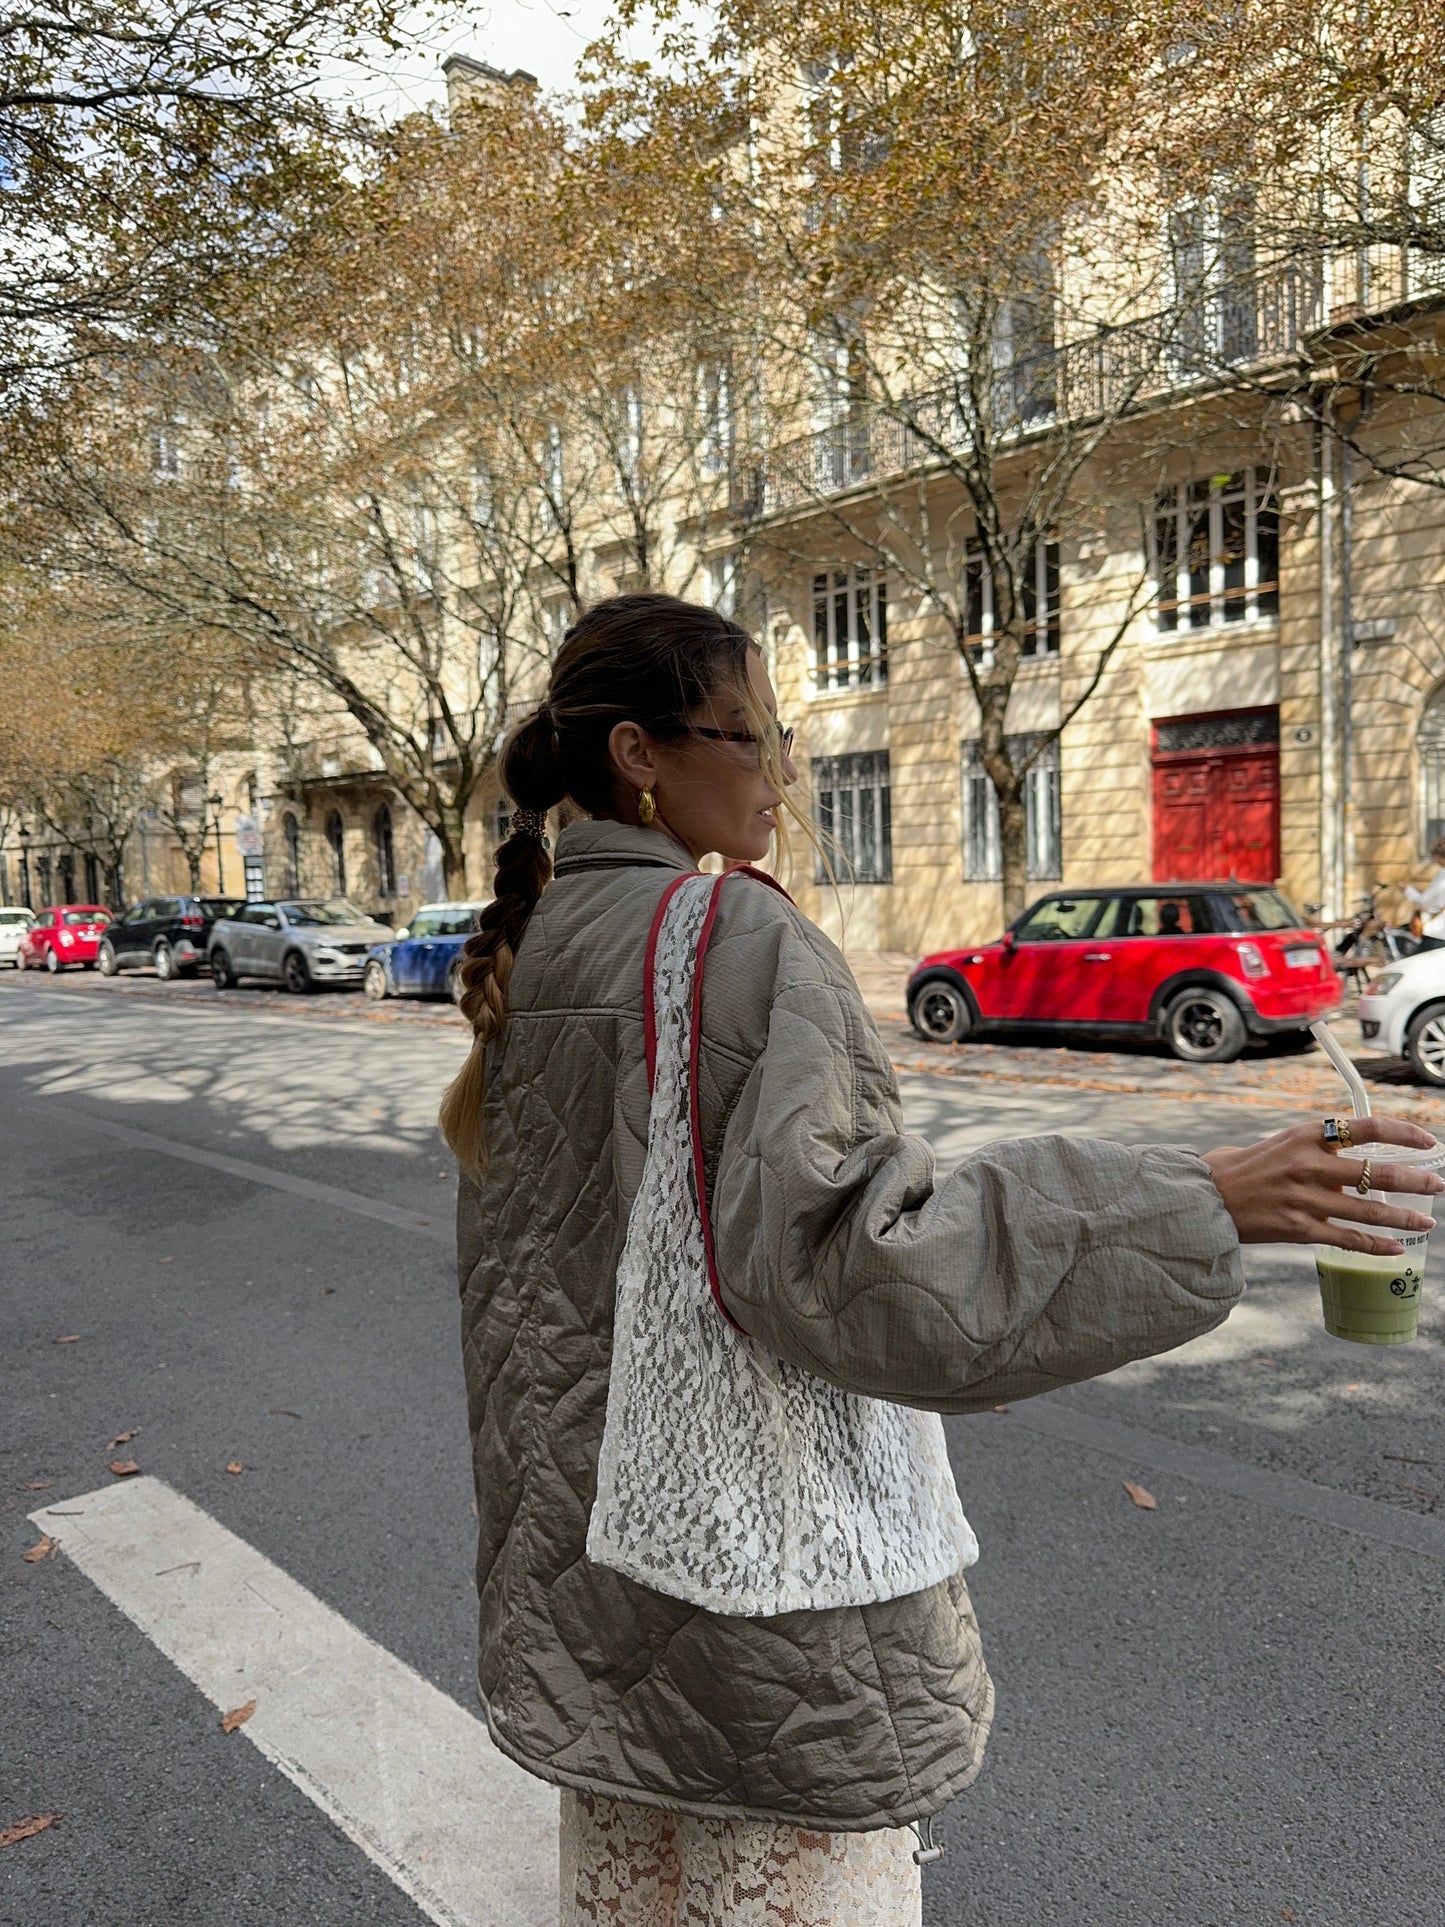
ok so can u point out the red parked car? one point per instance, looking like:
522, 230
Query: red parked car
67, 935
1205, 966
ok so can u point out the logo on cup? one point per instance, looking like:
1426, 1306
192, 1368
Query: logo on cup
1404, 1287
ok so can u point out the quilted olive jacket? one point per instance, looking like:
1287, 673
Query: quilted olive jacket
840, 1247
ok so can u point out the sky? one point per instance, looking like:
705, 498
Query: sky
546, 37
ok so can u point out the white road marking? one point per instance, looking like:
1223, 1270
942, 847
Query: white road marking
404, 1771
331, 1194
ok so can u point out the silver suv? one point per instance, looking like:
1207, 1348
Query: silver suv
300, 941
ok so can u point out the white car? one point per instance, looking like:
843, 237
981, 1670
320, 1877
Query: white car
1403, 1011
14, 922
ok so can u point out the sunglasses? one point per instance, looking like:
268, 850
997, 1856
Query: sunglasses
785, 737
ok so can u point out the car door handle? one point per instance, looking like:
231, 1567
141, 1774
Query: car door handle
1098, 956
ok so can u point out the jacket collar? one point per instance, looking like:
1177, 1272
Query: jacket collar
599, 844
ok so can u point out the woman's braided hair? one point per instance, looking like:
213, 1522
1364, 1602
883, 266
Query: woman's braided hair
647, 659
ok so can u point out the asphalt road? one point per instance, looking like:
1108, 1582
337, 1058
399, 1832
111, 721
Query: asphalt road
1224, 1710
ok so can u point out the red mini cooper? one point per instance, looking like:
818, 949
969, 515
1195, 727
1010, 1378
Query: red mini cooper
67, 935
1205, 966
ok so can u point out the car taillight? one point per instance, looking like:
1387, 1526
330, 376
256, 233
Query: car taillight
1252, 958
193, 923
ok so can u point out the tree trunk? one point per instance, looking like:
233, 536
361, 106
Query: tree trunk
1013, 848
193, 864
454, 860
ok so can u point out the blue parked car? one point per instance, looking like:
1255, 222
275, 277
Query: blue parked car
422, 960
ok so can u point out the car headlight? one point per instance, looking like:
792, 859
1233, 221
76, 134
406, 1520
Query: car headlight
1382, 986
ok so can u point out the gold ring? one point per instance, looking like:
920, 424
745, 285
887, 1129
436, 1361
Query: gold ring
1337, 1133
1364, 1186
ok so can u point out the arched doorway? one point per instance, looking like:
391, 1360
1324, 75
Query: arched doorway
385, 852
291, 831
336, 841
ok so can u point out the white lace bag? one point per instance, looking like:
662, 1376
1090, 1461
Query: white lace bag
729, 1478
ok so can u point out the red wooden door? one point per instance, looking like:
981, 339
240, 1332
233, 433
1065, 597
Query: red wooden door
1216, 813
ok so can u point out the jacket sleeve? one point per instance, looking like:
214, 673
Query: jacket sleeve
1035, 1263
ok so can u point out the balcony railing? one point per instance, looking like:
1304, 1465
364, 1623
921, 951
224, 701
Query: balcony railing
1204, 341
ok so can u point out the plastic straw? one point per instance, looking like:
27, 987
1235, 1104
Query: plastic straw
1332, 1048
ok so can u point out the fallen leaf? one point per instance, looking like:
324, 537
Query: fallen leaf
70, 1338
1142, 1496
1420, 1491
327, 1290
235, 1465
238, 1716
23, 1829
1402, 1458
1352, 1388
165, 1261
44, 1548
122, 1438
279, 1411
1000, 1408
35, 1485
1287, 1913
123, 1468
1264, 1361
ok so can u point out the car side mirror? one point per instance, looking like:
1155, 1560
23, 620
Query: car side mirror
399, 934
1009, 940
273, 923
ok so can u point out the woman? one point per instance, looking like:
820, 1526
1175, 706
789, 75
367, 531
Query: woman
749, 1765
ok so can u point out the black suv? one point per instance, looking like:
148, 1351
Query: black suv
169, 932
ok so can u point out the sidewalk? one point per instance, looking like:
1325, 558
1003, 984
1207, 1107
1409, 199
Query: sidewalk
1255, 1078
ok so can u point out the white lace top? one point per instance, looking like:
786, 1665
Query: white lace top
730, 1478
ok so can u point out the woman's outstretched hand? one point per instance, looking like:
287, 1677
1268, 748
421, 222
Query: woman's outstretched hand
1287, 1188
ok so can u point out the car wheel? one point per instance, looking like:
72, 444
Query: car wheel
223, 975
165, 961
1203, 1026
105, 961
1425, 1044
941, 1014
373, 981
295, 973
53, 963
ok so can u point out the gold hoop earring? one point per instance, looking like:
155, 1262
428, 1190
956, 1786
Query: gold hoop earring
646, 809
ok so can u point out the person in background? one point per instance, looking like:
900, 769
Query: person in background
1430, 902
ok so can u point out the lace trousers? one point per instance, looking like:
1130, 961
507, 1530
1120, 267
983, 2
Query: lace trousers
636, 1866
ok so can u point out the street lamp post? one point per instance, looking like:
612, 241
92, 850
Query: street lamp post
25, 868
214, 799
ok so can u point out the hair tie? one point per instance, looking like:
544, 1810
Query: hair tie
531, 823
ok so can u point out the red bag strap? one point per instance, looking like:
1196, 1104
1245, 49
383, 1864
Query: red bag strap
704, 938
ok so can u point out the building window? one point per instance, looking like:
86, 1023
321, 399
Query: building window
254, 868
850, 628
92, 877
291, 832
854, 812
1043, 812
722, 583
1040, 593
67, 876
336, 838
715, 417
1431, 740
1216, 551
1211, 255
628, 451
385, 853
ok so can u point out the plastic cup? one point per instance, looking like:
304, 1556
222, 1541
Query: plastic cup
1370, 1300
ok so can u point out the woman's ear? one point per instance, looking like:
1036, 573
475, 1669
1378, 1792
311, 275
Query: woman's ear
634, 756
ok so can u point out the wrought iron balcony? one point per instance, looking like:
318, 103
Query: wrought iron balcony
1204, 342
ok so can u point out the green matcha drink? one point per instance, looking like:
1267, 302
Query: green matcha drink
1376, 1301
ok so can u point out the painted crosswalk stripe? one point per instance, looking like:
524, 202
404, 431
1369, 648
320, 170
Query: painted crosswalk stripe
404, 1771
